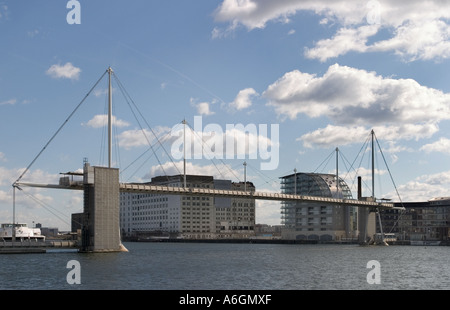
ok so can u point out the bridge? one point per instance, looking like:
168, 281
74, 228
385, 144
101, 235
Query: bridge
171, 190
101, 188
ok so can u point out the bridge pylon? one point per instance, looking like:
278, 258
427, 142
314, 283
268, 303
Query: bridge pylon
101, 226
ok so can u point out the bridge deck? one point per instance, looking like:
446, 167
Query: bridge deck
159, 189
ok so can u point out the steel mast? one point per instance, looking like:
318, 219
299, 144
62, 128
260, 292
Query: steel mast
110, 71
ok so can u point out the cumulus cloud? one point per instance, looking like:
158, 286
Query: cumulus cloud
442, 146
203, 108
416, 29
66, 71
243, 99
354, 99
341, 135
423, 188
101, 120
234, 141
344, 41
8, 176
137, 138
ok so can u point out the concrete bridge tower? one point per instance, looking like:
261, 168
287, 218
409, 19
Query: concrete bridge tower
101, 231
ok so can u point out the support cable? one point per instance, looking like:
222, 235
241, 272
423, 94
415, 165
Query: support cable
395, 186
128, 100
221, 160
47, 207
59, 129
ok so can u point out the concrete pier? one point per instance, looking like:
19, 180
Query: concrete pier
366, 225
101, 227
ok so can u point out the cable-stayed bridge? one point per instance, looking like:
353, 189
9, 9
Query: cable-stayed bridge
171, 190
101, 187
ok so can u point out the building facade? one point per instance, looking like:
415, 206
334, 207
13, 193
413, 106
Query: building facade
317, 221
191, 217
420, 221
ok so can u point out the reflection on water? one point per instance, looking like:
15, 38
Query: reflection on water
203, 266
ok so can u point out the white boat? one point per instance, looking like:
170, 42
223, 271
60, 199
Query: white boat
22, 232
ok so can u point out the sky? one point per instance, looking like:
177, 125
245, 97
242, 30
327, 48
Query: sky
289, 80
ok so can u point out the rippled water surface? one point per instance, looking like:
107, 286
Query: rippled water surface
213, 266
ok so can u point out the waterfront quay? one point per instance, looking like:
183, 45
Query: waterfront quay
31, 246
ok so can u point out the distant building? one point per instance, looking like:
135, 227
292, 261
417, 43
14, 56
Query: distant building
76, 222
268, 231
421, 221
317, 221
193, 217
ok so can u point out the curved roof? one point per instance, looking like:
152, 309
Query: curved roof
316, 184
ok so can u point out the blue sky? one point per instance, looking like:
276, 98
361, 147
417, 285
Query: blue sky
325, 72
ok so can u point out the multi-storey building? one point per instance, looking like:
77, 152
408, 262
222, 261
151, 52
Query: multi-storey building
420, 221
317, 221
189, 216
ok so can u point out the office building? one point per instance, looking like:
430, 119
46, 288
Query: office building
188, 216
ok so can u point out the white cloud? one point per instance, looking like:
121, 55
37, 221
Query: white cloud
203, 108
356, 100
345, 40
136, 137
9, 176
268, 212
67, 71
237, 141
102, 92
101, 120
9, 102
418, 29
331, 135
442, 146
243, 99
423, 188
4, 11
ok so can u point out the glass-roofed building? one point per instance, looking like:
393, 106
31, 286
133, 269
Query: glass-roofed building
317, 221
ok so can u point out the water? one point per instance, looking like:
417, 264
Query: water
213, 266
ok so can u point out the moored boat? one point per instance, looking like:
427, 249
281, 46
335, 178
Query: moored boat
22, 232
